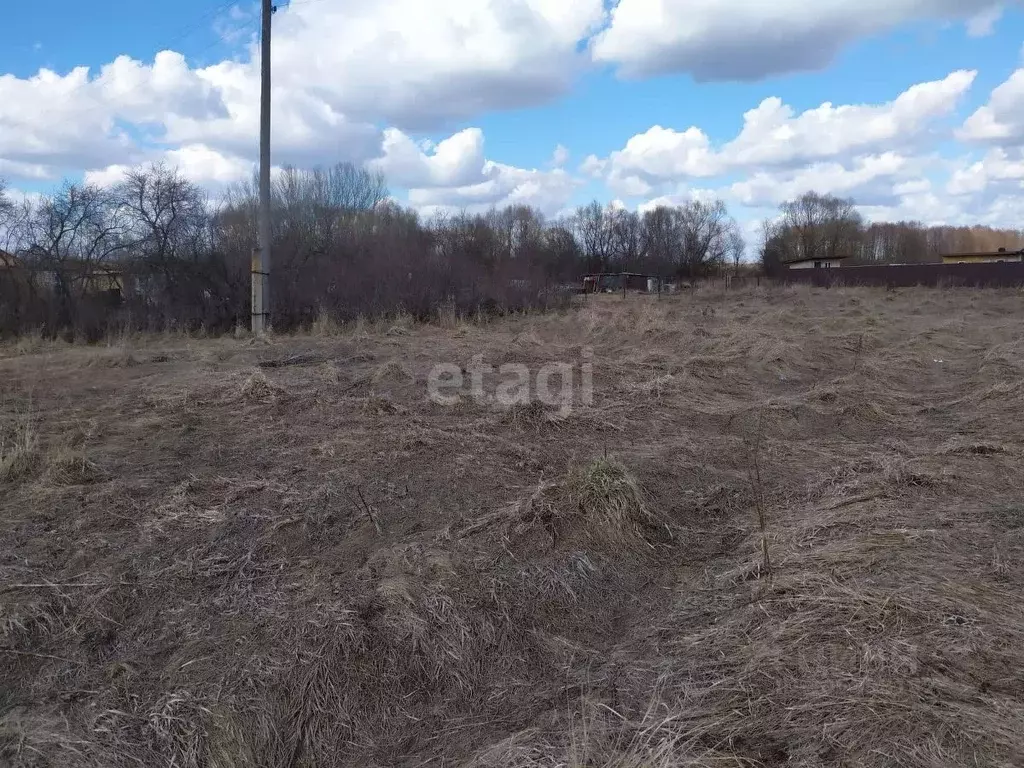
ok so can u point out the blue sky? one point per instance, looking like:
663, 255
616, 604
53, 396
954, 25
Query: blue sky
463, 104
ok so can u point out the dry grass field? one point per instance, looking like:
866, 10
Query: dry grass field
788, 531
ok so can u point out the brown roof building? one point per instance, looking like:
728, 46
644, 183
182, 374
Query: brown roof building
983, 257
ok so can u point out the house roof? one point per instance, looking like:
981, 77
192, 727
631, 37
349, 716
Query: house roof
618, 274
984, 254
814, 258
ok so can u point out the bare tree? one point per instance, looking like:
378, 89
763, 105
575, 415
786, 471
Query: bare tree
14, 220
6, 204
627, 242
73, 234
704, 230
772, 250
563, 255
661, 238
819, 226
592, 228
736, 247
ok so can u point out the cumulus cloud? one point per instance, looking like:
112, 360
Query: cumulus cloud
885, 156
454, 174
773, 134
458, 161
362, 81
867, 179
753, 40
984, 23
775, 138
205, 166
413, 64
1002, 118
341, 69
998, 171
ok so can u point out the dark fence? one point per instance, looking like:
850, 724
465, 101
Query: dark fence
993, 275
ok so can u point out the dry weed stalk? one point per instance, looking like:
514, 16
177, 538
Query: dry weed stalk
19, 448
757, 488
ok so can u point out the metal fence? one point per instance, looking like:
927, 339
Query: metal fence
991, 275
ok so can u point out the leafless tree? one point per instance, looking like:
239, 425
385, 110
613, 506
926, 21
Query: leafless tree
165, 214
771, 250
627, 239
736, 247
14, 220
819, 226
72, 235
591, 227
661, 239
705, 229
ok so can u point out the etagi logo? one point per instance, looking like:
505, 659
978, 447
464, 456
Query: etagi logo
559, 384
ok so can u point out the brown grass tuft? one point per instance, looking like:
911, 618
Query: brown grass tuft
20, 456
393, 371
69, 465
257, 387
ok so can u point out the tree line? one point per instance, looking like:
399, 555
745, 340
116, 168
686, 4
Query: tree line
154, 252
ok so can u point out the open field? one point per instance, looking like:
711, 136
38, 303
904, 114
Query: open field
789, 531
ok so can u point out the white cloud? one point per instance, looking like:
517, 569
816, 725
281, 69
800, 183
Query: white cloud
868, 177
751, 39
774, 137
998, 170
984, 23
666, 153
341, 68
885, 156
1002, 118
593, 166
680, 197
772, 134
548, 191
412, 63
23, 170
205, 166
360, 81
457, 161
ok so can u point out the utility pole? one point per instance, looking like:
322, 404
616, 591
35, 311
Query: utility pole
261, 257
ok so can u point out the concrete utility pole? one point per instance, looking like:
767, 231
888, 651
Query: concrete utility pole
261, 257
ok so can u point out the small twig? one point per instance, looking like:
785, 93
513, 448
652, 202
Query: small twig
857, 350
366, 508
855, 500
62, 585
754, 474
40, 656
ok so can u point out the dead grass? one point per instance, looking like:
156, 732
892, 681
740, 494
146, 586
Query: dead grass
257, 387
281, 553
19, 449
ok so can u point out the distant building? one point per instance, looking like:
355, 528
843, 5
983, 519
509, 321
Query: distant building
814, 262
983, 257
80, 277
611, 282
